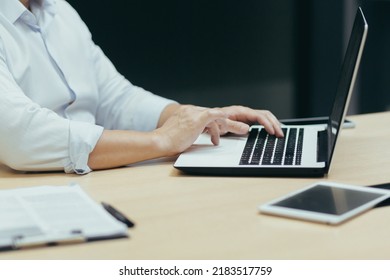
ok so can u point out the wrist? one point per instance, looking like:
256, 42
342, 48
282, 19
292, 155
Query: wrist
167, 113
163, 144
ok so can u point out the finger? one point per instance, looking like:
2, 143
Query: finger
250, 116
270, 123
276, 125
215, 122
213, 130
237, 127
223, 126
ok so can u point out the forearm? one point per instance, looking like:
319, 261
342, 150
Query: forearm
122, 147
119, 148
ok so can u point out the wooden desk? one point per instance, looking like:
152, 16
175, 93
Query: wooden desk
190, 217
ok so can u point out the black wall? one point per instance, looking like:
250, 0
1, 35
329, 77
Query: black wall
210, 53
283, 55
375, 74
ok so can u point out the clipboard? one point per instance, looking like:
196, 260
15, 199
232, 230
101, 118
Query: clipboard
56, 215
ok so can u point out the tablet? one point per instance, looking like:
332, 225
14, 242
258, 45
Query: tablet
326, 202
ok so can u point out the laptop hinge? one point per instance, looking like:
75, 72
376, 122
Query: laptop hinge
322, 146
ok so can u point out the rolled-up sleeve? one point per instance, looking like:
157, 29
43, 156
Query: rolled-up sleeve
37, 139
82, 140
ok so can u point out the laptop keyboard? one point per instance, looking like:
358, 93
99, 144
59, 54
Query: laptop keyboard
262, 148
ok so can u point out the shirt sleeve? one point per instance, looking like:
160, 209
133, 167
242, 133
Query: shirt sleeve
123, 105
37, 139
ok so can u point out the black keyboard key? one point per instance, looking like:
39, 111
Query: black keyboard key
269, 150
298, 157
290, 149
246, 154
279, 149
259, 147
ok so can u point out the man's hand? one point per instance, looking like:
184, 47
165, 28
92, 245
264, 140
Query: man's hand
187, 122
242, 117
178, 128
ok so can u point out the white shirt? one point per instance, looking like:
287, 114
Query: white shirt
58, 91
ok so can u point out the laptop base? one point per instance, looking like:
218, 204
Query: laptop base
254, 172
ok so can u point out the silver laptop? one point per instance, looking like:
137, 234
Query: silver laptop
305, 151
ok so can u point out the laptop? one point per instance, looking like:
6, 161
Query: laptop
305, 151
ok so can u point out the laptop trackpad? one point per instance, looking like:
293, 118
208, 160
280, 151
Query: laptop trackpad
227, 144
204, 154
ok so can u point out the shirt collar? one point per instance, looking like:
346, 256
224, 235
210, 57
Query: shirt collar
13, 9
44, 10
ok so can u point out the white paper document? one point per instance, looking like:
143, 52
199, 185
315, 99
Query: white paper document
46, 215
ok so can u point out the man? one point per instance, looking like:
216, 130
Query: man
65, 107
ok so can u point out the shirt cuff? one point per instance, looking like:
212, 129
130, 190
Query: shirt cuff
82, 140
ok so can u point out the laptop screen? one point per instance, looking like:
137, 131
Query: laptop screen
347, 79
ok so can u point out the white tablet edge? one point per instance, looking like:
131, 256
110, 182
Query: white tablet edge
270, 208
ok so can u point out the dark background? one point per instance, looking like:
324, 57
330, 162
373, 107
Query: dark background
283, 55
